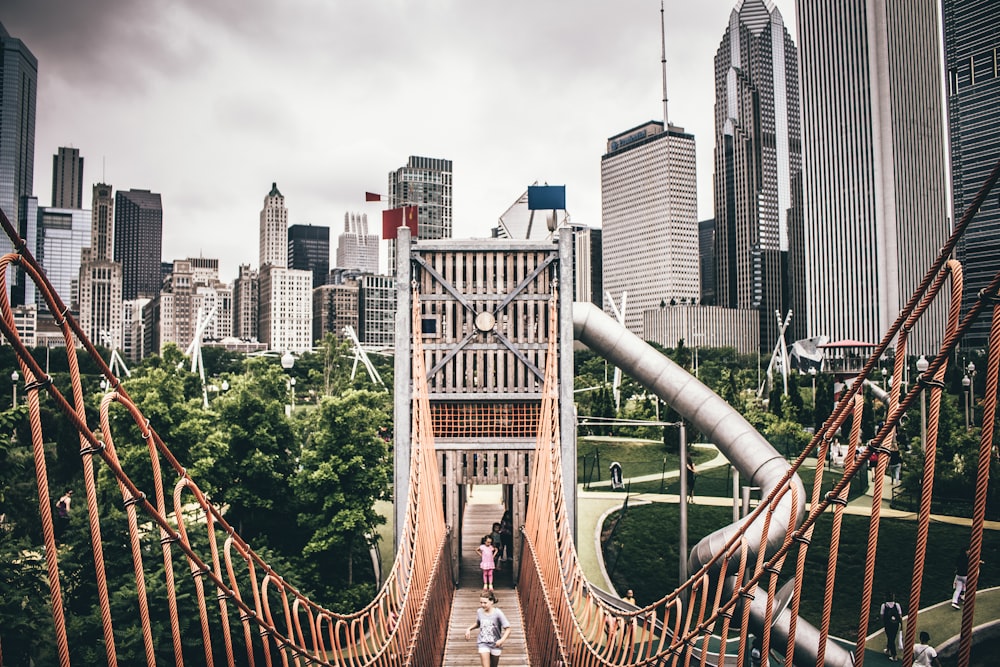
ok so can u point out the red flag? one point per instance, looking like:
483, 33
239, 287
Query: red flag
371, 196
394, 218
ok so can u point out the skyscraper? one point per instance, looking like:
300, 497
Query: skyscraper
139, 242
18, 89
285, 294
650, 222
274, 229
63, 233
757, 160
972, 56
424, 182
100, 275
875, 202
246, 311
67, 178
309, 250
356, 248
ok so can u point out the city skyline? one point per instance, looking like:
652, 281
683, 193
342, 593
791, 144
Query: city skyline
496, 94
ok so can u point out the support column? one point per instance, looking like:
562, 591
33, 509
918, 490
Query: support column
567, 411
402, 402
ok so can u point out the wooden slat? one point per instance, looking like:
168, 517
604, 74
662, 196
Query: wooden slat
461, 652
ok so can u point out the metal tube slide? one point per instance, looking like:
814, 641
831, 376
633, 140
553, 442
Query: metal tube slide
758, 462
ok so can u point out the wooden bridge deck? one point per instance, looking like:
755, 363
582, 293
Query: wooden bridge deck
461, 652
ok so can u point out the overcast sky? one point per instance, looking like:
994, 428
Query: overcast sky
210, 101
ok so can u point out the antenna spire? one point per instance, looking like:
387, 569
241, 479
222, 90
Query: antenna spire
663, 64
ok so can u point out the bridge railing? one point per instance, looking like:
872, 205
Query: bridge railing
236, 592
570, 626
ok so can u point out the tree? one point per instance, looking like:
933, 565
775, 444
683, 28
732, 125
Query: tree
344, 467
252, 467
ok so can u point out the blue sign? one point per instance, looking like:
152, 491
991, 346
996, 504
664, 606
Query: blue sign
547, 197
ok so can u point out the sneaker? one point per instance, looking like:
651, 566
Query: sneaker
954, 606
886, 651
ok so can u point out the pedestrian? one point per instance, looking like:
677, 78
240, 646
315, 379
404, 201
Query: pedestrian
497, 539
690, 481
629, 597
494, 629
892, 621
62, 506
507, 536
961, 576
756, 652
924, 654
895, 465
488, 554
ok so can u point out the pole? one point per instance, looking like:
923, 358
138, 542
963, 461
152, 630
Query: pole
683, 546
736, 493
923, 420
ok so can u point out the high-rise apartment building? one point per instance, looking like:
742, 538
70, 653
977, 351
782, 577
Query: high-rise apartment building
191, 292
758, 158
335, 306
246, 309
274, 229
63, 233
377, 312
309, 250
285, 309
649, 211
100, 276
972, 57
284, 295
18, 90
875, 198
67, 178
139, 242
424, 182
357, 249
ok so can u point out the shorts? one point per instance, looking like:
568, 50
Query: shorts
489, 648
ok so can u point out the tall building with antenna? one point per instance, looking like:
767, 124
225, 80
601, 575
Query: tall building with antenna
649, 215
759, 261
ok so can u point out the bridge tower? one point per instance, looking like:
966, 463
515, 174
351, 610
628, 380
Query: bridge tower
485, 332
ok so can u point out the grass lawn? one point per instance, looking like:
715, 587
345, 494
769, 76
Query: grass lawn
718, 482
643, 555
637, 457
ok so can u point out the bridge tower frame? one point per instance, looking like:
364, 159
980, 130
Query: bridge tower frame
484, 305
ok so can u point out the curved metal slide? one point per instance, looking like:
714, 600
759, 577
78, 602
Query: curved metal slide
754, 457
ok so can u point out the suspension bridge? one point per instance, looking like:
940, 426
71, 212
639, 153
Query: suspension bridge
484, 396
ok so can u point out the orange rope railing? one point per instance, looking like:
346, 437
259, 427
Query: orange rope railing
405, 624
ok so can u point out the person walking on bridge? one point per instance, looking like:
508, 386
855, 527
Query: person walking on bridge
494, 629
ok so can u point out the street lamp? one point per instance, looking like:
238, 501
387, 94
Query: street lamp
922, 366
967, 383
14, 377
812, 374
971, 368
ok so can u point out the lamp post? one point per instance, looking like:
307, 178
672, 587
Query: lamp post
812, 374
683, 545
967, 384
14, 377
971, 368
922, 365
287, 361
